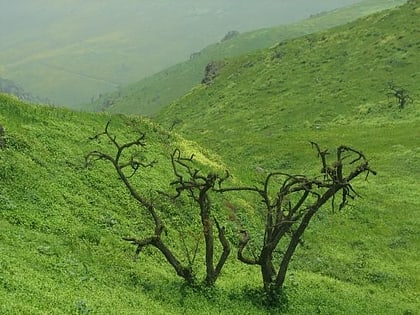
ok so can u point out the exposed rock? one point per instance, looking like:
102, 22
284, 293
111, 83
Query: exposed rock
210, 72
195, 55
229, 35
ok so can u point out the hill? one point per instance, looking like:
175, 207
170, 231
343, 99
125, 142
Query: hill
70, 51
311, 84
152, 93
61, 227
262, 109
10, 87
61, 224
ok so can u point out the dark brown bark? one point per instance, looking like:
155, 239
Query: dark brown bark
226, 249
198, 187
243, 241
296, 202
154, 240
182, 271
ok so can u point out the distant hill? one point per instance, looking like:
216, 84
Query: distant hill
10, 87
149, 95
71, 51
338, 77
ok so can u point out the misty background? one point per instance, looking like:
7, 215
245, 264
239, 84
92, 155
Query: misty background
72, 50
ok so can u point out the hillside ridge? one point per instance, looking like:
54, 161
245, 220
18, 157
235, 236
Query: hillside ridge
149, 95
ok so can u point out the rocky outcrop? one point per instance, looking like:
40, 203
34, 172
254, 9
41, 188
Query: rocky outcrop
210, 72
229, 35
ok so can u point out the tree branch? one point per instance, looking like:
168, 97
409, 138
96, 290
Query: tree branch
226, 248
243, 242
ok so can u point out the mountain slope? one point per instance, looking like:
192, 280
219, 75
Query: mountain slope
71, 51
61, 227
263, 109
313, 83
61, 224
152, 93
10, 87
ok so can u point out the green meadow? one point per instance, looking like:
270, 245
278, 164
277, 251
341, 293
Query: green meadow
62, 223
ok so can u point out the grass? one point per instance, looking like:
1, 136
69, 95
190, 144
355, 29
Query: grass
330, 87
61, 224
309, 85
61, 250
152, 93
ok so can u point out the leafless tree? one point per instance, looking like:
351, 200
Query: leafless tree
290, 202
133, 165
2, 142
187, 179
400, 94
198, 187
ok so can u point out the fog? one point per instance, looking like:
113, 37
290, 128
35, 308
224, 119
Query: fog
51, 46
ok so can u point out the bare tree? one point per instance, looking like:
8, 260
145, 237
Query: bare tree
400, 94
121, 164
198, 186
187, 179
290, 207
290, 203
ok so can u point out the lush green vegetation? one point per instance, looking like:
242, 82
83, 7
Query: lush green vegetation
61, 224
309, 85
331, 87
152, 93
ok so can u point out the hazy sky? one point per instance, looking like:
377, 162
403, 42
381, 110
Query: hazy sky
219, 16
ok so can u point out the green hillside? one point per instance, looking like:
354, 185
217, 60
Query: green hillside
61, 224
315, 84
61, 247
152, 93
331, 87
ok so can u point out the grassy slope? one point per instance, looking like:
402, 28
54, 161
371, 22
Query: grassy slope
152, 93
61, 224
309, 84
61, 227
60, 248
61, 253
331, 88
